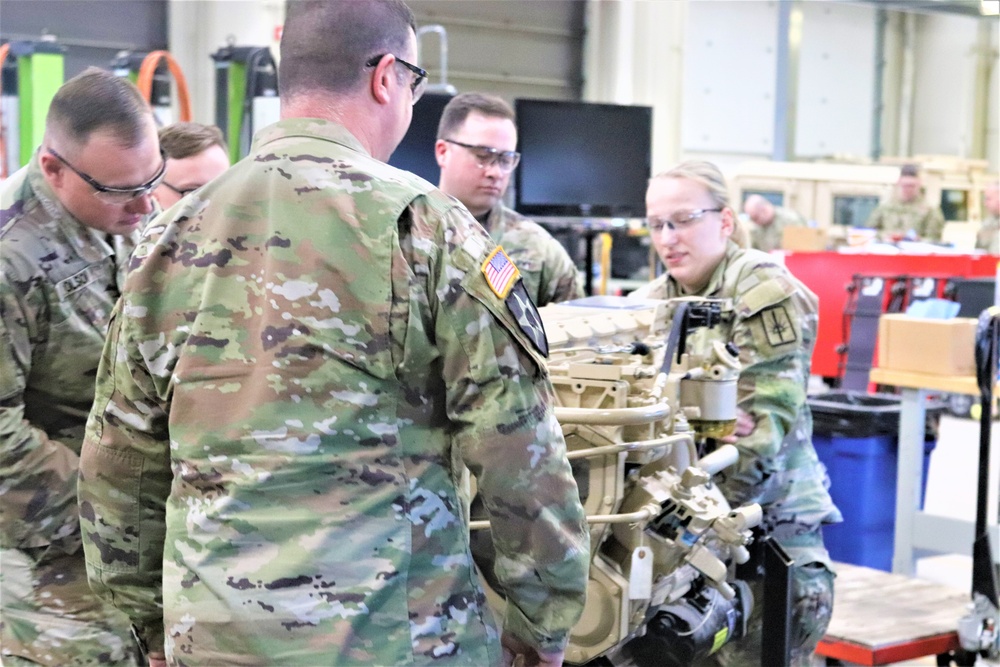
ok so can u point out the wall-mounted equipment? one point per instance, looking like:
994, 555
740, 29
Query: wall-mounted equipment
151, 73
31, 72
246, 94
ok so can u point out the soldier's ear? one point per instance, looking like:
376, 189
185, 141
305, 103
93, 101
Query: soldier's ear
728, 221
52, 168
380, 84
440, 149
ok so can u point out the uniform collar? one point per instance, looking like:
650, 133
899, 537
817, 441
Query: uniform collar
315, 128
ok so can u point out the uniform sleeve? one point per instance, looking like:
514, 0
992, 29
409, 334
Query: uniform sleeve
37, 473
561, 281
774, 342
124, 482
499, 402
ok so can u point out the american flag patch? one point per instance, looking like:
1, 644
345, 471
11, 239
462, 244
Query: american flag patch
500, 272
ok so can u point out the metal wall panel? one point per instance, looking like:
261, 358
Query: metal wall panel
92, 31
511, 48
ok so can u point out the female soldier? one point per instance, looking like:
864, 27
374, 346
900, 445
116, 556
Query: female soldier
774, 327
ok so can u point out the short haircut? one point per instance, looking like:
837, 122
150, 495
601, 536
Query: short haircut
459, 108
909, 170
705, 173
326, 43
181, 140
96, 99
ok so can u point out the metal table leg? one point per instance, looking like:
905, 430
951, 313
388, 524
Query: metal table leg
909, 476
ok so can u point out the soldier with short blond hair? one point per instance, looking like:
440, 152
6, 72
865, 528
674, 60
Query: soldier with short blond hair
774, 329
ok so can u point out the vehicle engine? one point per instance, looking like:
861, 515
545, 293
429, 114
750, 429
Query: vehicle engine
641, 388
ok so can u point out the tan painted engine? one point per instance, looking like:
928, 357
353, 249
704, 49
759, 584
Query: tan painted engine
639, 387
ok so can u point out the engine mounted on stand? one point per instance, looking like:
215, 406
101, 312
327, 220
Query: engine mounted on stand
640, 388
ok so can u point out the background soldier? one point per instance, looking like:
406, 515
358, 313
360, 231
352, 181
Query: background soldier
690, 223
475, 150
67, 226
768, 222
906, 215
311, 349
196, 154
988, 238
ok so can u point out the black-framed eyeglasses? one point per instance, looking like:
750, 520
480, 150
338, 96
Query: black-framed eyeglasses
680, 220
488, 156
110, 195
419, 84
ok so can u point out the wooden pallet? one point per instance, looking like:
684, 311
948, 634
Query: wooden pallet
880, 618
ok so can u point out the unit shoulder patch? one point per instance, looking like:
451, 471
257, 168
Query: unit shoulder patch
527, 317
778, 326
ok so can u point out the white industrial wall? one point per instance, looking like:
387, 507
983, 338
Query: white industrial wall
708, 67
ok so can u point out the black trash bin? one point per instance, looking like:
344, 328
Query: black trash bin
856, 436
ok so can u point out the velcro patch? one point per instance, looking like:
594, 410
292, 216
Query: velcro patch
527, 317
500, 272
778, 326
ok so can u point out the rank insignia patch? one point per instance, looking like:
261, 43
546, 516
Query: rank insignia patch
778, 326
524, 311
500, 272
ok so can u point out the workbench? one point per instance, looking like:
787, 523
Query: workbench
915, 528
881, 618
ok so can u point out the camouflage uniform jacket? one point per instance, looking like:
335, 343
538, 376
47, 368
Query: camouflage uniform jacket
768, 237
775, 328
60, 281
896, 217
988, 237
302, 362
548, 272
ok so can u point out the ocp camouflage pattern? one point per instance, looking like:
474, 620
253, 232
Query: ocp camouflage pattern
59, 283
896, 217
775, 326
305, 356
548, 272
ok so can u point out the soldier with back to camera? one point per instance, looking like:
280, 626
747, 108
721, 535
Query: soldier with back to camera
68, 224
476, 152
774, 329
310, 351
988, 237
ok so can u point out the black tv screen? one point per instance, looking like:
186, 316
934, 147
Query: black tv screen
583, 159
416, 151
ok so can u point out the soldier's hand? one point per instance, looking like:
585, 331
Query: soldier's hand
516, 653
157, 660
745, 424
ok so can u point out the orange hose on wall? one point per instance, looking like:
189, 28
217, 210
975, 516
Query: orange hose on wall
145, 80
3, 142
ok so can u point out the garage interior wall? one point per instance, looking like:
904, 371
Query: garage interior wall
709, 68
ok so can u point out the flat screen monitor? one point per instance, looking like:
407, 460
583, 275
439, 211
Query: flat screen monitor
582, 159
416, 151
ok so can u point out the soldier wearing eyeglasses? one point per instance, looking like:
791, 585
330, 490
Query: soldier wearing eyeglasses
475, 151
68, 222
312, 349
195, 153
774, 328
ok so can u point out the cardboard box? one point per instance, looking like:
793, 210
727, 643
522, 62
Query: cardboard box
803, 238
923, 345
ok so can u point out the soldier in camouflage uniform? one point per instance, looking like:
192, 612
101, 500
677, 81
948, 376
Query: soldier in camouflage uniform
768, 222
475, 150
906, 215
775, 329
309, 350
68, 223
988, 237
